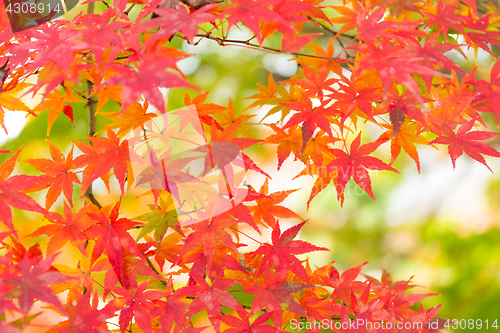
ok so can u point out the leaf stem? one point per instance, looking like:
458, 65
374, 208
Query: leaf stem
100, 285
41, 326
241, 232
333, 32
150, 264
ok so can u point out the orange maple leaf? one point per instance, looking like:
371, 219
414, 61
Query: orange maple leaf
70, 227
267, 208
58, 175
56, 103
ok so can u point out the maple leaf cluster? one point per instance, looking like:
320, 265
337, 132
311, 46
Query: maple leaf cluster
390, 78
391, 73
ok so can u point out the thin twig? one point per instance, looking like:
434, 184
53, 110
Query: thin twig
129, 9
246, 43
150, 264
241, 232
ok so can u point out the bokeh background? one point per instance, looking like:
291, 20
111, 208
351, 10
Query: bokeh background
440, 227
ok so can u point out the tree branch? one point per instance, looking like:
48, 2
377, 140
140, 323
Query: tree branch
246, 43
91, 105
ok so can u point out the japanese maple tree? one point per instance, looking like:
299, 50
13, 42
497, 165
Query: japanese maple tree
182, 266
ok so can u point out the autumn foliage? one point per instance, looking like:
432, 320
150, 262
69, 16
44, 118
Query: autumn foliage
390, 73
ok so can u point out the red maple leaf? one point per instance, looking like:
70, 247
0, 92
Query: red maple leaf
173, 309
228, 135
250, 12
318, 307
148, 77
294, 11
53, 45
354, 96
242, 323
242, 212
372, 26
113, 237
446, 18
181, 20
156, 177
19, 250
363, 303
468, 142
399, 106
355, 164
136, 304
310, 117
10, 192
210, 297
208, 235
274, 292
343, 284
281, 254
84, 317
6, 305
315, 84
347, 323
480, 39
447, 113
101, 156
293, 42
390, 322
34, 281
101, 33
432, 54
422, 320
223, 261
392, 62
491, 90
132, 266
